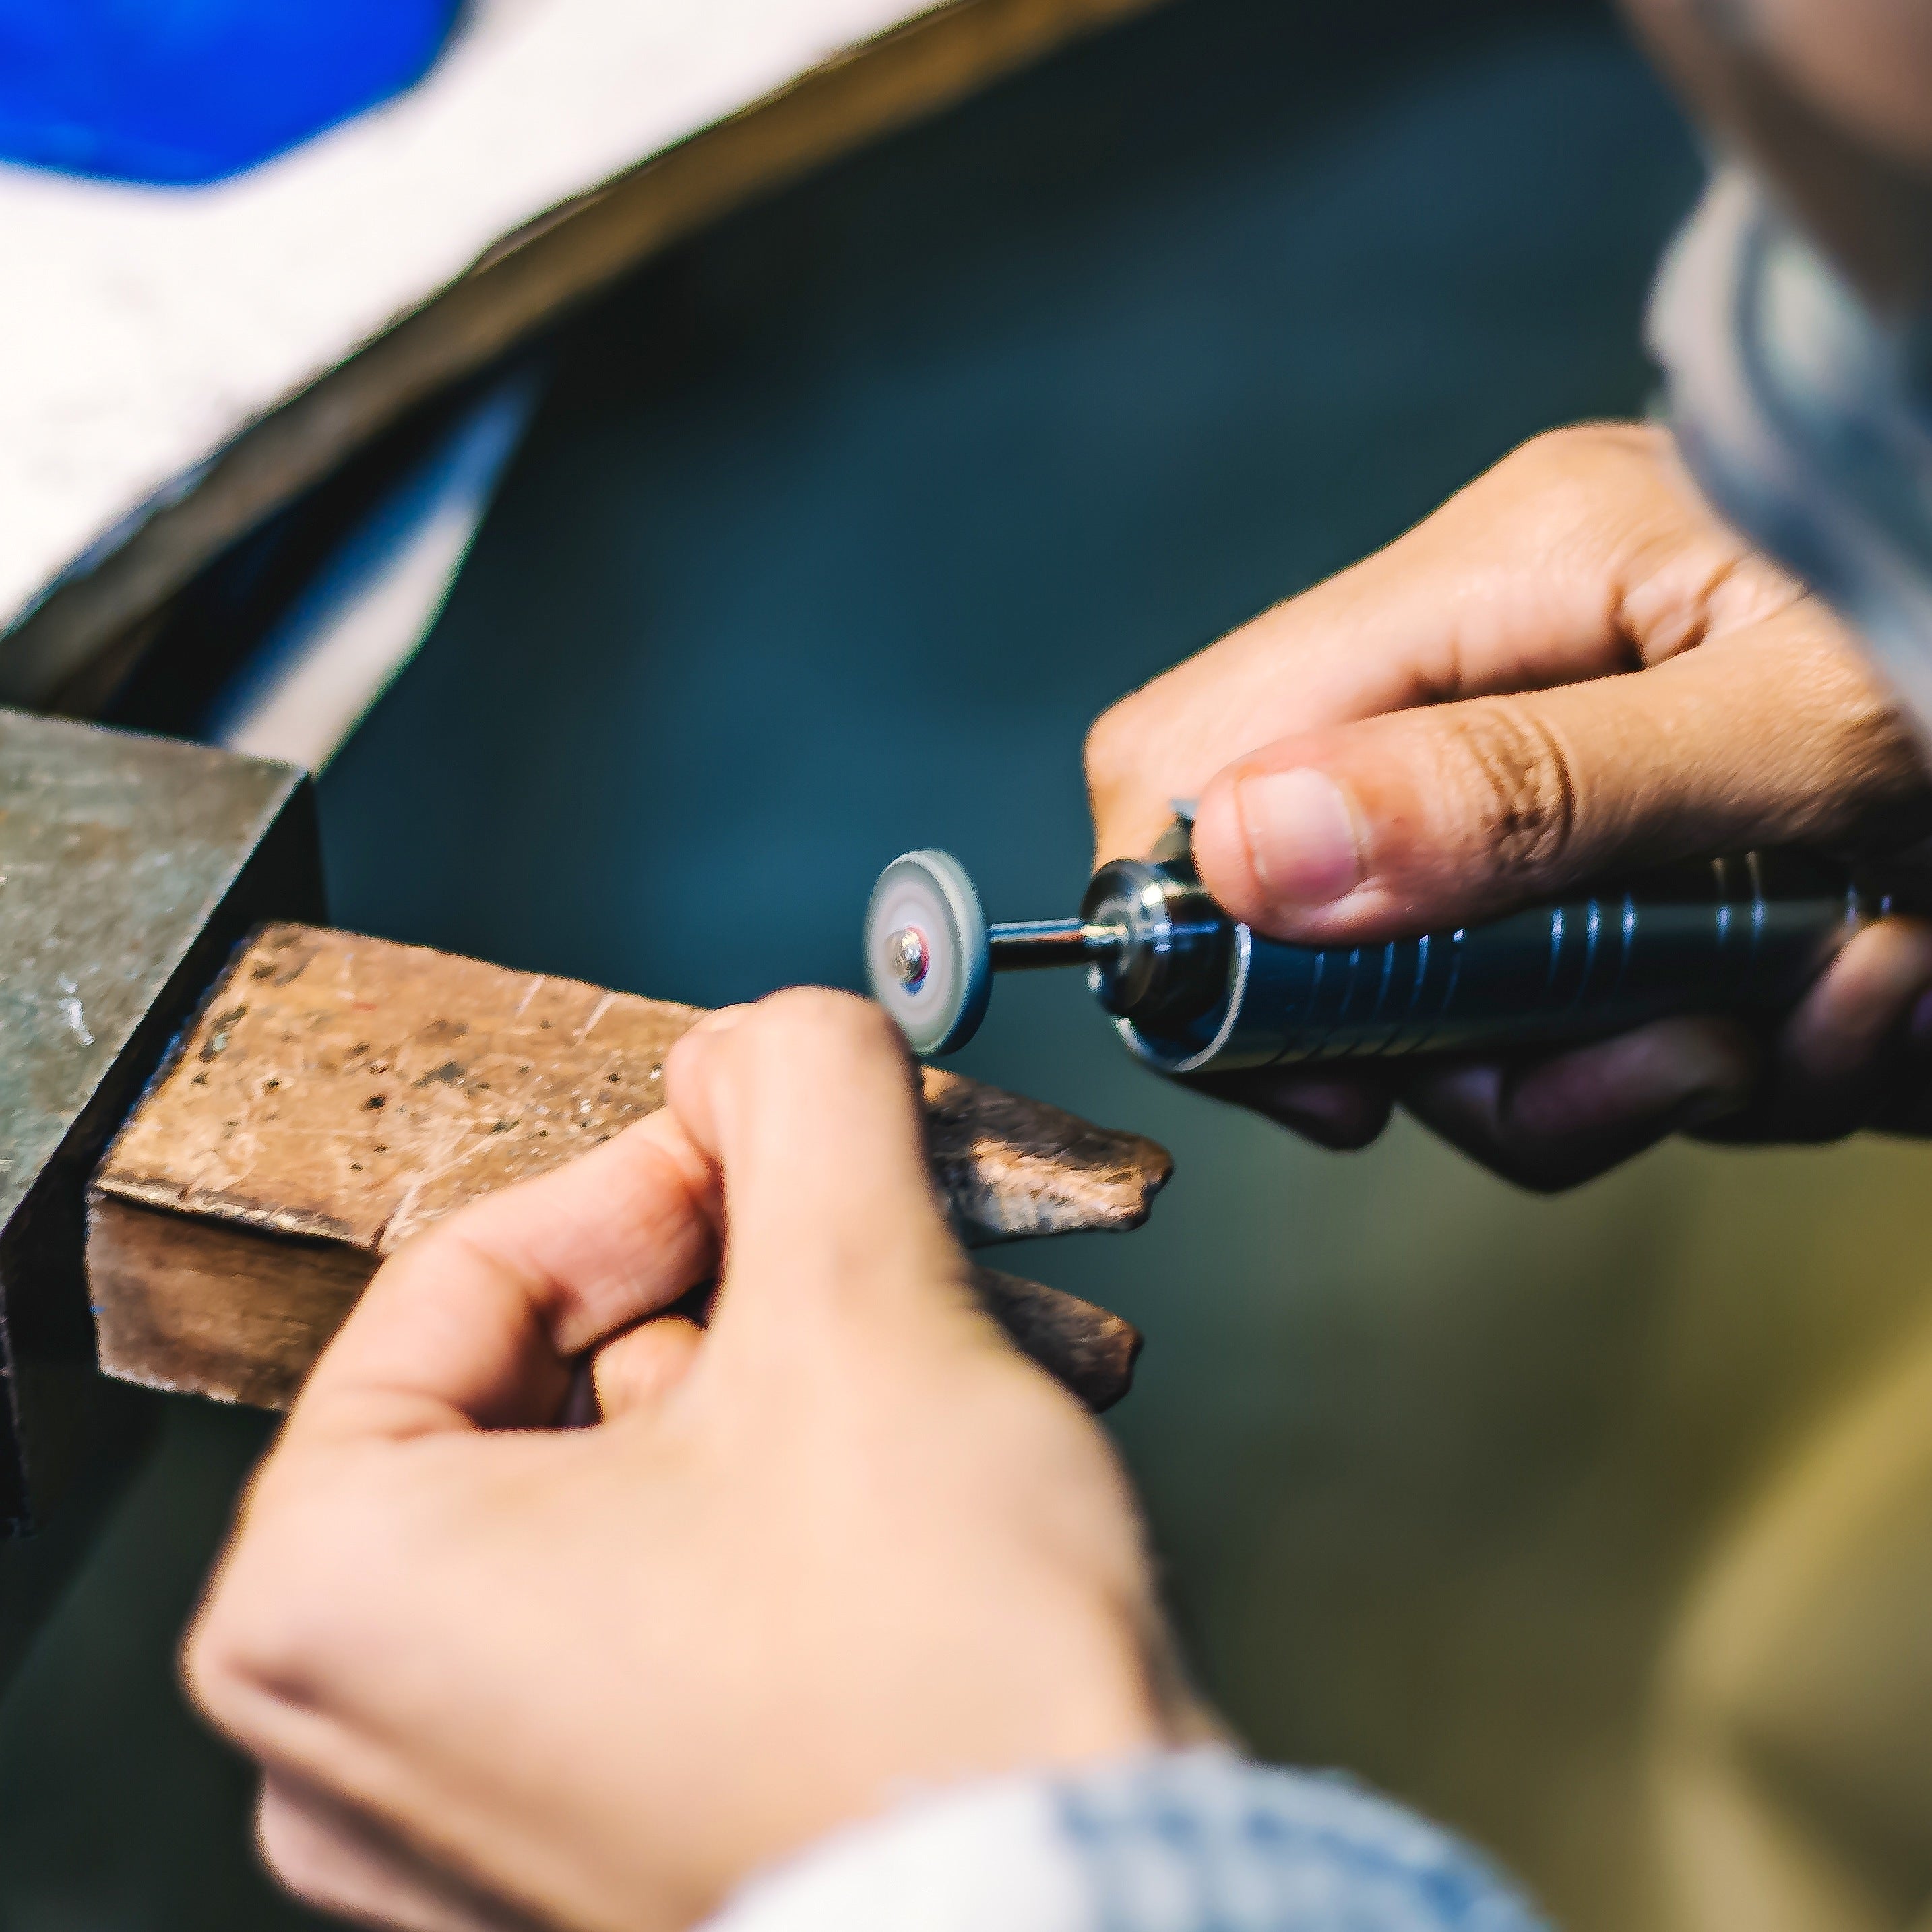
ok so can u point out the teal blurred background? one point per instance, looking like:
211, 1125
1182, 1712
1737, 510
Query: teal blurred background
838, 527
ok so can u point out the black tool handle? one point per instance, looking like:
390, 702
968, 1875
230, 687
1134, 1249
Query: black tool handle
1743, 934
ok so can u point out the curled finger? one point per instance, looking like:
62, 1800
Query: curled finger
1854, 1052
331, 1857
476, 1324
1343, 1110
1556, 1119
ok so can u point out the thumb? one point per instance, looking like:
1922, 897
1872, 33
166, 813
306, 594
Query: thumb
806, 1105
1421, 819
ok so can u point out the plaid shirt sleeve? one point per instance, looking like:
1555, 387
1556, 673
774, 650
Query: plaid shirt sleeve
1184, 1841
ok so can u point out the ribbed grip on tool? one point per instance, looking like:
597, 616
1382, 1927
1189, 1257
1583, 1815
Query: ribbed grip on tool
1734, 935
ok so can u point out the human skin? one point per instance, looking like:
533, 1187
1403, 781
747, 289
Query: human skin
841, 1544
1572, 668
1824, 100
1862, 65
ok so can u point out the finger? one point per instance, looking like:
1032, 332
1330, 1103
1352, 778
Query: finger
806, 1105
1554, 1121
640, 1367
475, 1324
1342, 1111
333, 1859
1428, 819
1583, 553
1846, 1057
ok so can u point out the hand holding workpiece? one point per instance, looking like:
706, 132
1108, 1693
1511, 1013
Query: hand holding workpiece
844, 1543
1572, 669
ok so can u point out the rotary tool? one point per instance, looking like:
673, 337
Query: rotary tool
1191, 990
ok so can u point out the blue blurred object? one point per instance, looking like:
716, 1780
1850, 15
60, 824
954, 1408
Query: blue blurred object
182, 92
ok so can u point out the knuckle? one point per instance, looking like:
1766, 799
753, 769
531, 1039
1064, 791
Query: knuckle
824, 1023
277, 1627
1581, 476
1553, 449
794, 1006
286, 1849
1872, 744
235, 1655
1116, 752
208, 1660
299, 1856
1579, 449
1104, 754
1848, 768
823, 1010
1519, 787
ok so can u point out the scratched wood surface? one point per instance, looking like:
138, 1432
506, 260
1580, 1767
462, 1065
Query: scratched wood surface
337, 1094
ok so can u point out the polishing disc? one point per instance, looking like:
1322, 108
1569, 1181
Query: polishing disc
926, 954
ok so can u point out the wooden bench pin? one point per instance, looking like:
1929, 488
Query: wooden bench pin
336, 1094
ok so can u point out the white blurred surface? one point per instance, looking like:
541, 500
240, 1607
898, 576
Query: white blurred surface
339, 647
141, 329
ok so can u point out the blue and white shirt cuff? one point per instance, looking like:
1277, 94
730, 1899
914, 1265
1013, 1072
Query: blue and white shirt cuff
1184, 1841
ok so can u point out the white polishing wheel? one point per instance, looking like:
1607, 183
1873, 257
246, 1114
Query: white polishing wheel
926, 954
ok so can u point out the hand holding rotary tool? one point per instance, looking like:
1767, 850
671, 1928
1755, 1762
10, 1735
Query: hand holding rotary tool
1571, 674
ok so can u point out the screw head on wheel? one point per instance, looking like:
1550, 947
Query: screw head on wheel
926, 954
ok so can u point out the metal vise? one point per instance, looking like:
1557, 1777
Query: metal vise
130, 867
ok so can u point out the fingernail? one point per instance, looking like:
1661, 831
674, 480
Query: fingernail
722, 1020
1301, 835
